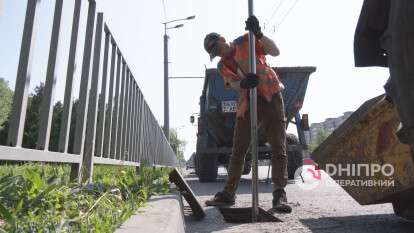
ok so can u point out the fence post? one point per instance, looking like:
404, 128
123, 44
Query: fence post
21, 90
140, 127
102, 100
125, 113
88, 154
46, 106
119, 155
78, 146
67, 102
108, 118
131, 120
115, 125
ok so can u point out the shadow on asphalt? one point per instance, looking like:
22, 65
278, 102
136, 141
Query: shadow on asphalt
211, 215
211, 188
363, 223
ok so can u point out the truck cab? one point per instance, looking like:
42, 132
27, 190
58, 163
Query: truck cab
217, 116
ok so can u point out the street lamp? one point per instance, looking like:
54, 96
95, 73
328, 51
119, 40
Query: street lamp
166, 93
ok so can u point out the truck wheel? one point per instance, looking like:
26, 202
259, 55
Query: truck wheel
207, 167
295, 158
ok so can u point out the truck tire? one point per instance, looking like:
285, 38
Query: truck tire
207, 168
295, 158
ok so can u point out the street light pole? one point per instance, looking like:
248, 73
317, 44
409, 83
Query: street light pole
166, 88
166, 92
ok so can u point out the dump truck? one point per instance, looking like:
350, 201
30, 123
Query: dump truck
217, 116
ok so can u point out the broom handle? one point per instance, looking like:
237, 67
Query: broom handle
253, 118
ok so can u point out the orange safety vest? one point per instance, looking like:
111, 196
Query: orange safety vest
269, 83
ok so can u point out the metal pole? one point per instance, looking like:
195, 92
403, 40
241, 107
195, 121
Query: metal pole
89, 150
21, 90
253, 118
46, 108
109, 113
67, 102
85, 83
115, 123
102, 100
121, 112
80, 129
166, 99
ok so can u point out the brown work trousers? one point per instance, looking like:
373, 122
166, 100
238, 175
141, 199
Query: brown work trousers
271, 118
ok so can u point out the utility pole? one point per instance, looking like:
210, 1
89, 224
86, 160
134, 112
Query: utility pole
166, 86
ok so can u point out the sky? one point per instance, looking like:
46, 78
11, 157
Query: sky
308, 33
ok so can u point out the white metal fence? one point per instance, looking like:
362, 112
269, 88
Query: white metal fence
126, 133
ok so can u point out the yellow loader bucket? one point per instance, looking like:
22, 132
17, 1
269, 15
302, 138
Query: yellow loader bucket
365, 158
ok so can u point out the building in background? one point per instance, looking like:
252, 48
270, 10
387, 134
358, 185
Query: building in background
326, 127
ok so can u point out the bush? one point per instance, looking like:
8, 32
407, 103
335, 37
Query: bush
40, 198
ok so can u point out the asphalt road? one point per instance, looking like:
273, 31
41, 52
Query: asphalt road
325, 209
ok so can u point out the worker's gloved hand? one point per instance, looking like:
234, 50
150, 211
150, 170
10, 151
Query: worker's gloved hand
252, 24
250, 81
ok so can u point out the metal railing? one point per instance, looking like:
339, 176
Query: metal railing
126, 133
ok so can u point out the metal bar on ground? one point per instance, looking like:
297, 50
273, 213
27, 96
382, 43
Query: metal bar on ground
89, 151
115, 125
84, 90
21, 90
102, 100
46, 105
67, 102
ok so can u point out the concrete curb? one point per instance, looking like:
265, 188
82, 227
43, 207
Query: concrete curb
161, 214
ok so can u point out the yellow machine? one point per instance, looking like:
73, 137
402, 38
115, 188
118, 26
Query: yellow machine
366, 158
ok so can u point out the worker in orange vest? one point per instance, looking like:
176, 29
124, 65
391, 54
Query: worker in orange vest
233, 67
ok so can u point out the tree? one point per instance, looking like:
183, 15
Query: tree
321, 135
31, 128
178, 146
55, 127
6, 98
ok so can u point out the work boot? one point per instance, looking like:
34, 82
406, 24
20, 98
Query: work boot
280, 201
222, 199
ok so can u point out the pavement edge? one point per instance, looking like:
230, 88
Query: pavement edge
160, 214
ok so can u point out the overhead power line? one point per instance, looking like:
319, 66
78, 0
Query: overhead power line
288, 12
275, 11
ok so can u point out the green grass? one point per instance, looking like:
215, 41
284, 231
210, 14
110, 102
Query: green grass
40, 198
